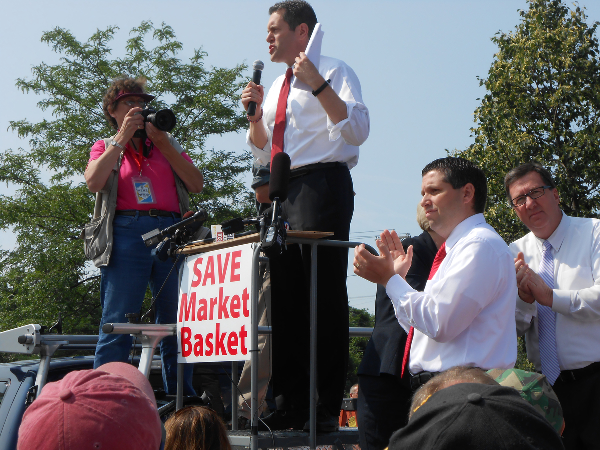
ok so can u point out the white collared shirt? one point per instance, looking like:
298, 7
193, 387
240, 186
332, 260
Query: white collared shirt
310, 137
465, 315
576, 294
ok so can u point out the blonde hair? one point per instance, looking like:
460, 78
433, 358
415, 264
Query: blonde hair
421, 219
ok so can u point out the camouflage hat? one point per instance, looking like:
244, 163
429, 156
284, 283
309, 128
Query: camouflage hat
535, 388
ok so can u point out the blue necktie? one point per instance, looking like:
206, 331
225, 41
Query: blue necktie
547, 320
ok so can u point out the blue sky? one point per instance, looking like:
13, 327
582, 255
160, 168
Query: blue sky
417, 62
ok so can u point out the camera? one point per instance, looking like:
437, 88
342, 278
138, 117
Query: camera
164, 120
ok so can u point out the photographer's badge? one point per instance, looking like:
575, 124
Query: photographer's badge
143, 190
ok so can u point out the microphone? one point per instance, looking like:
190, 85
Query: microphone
280, 177
274, 239
258, 66
195, 221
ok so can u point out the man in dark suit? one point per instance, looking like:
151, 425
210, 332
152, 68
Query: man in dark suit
384, 395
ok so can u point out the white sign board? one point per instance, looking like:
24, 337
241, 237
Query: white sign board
213, 316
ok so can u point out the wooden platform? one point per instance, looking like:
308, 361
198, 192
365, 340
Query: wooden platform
201, 247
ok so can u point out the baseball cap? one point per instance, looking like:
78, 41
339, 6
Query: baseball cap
536, 390
111, 407
476, 416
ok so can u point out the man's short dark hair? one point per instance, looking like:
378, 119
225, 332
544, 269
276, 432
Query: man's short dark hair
520, 171
458, 172
296, 12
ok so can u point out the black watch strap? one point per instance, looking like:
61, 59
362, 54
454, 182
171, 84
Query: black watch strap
323, 86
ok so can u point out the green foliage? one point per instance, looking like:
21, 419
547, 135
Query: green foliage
47, 274
542, 103
358, 318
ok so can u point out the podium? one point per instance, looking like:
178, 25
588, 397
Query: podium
253, 439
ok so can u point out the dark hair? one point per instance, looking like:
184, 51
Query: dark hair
458, 172
454, 375
296, 12
196, 428
522, 170
123, 84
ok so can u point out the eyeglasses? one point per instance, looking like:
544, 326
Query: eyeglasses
132, 103
532, 194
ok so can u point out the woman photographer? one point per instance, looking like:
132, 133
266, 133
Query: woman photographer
154, 177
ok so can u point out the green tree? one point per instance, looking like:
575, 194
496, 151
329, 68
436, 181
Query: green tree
542, 103
358, 318
47, 274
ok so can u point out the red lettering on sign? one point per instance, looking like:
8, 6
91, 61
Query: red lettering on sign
232, 343
198, 348
202, 309
210, 271
222, 267
197, 273
245, 298
187, 307
220, 341
243, 336
186, 341
213, 303
235, 306
235, 265
223, 314
209, 344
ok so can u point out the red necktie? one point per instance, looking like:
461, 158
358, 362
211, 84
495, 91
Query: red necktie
437, 261
279, 128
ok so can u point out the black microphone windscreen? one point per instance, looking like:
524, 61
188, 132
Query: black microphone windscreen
280, 176
232, 226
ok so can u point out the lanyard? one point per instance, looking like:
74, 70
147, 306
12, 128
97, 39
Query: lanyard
138, 157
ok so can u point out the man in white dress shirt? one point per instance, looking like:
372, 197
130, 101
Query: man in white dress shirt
465, 315
321, 131
570, 294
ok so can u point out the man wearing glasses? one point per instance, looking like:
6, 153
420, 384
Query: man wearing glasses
558, 309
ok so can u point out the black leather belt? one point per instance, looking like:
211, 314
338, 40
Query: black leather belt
149, 212
579, 374
305, 170
418, 380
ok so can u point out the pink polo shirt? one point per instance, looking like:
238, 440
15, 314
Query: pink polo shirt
156, 168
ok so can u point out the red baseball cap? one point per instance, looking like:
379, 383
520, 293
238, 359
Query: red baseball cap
112, 407
144, 96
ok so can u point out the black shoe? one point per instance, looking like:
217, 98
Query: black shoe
326, 423
282, 420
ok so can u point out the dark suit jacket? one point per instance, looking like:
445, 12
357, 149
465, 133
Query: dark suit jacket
385, 349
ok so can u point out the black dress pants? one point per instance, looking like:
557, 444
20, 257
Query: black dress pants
383, 406
321, 199
580, 401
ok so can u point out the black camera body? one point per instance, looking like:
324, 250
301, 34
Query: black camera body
164, 120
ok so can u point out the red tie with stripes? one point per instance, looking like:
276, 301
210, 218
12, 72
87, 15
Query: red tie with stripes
437, 261
279, 128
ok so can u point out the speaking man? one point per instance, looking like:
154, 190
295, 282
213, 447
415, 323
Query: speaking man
320, 128
558, 309
465, 316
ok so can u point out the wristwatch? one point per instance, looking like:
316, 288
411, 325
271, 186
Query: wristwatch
116, 144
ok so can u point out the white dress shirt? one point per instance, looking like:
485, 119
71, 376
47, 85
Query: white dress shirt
576, 293
310, 137
465, 315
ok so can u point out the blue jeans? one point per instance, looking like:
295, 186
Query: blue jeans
123, 286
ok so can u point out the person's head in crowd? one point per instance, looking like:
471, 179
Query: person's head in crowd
476, 416
123, 94
289, 29
354, 391
424, 225
453, 189
532, 193
111, 407
450, 377
196, 428
535, 389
